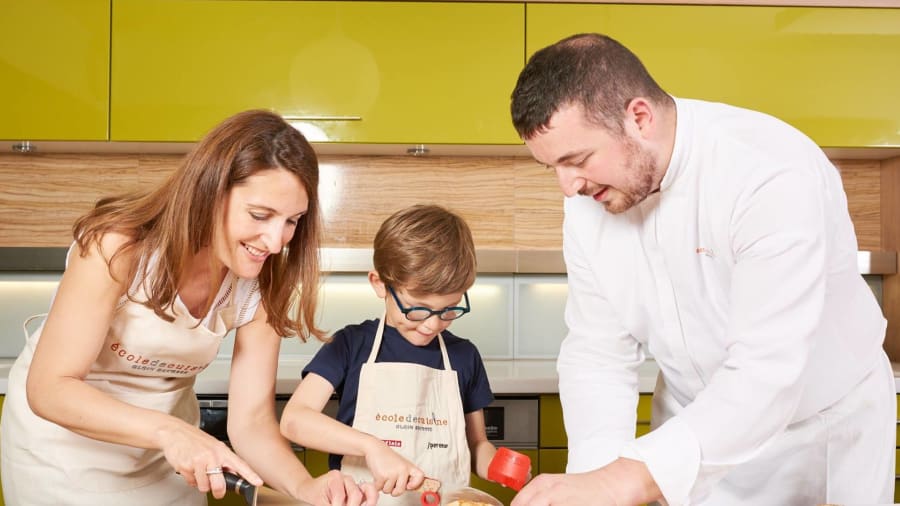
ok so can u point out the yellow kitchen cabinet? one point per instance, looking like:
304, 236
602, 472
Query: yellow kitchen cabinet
316, 462
552, 428
54, 69
831, 72
552, 431
361, 72
552, 460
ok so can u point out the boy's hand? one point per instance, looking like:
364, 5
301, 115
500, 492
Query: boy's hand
392, 473
336, 489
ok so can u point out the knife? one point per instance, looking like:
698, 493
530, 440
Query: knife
242, 487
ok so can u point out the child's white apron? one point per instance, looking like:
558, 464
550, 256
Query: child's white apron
418, 411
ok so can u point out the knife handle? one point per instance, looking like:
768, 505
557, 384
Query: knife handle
242, 487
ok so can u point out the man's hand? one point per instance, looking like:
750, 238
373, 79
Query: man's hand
624, 482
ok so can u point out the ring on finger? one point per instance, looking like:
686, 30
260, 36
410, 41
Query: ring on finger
214, 470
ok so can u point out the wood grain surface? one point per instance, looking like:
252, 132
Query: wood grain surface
509, 202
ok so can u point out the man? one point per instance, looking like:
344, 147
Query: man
718, 240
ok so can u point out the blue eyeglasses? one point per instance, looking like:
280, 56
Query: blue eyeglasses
418, 313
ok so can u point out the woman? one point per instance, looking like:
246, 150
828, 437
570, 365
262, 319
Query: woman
100, 406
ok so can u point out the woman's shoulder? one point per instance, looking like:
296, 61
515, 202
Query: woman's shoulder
106, 249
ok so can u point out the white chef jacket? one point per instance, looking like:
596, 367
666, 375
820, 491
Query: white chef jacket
740, 278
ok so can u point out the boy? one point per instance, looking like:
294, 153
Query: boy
412, 392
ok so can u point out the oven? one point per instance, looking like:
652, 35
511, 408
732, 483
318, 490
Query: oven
511, 421
214, 416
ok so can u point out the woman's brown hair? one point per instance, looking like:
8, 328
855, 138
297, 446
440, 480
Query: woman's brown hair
180, 217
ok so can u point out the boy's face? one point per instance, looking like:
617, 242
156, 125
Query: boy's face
419, 333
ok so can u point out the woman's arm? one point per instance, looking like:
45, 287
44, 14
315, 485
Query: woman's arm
253, 428
481, 449
70, 342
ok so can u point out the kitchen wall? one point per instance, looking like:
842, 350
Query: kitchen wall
511, 203
513, 316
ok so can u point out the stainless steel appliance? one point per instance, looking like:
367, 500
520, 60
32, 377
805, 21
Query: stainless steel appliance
511, 421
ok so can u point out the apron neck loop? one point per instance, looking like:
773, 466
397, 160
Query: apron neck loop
376, 346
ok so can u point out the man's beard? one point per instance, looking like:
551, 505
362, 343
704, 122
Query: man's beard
641, 171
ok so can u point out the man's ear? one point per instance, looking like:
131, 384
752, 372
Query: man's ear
641, 115
377, 284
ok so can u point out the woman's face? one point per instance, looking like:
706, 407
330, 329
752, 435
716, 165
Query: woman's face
260, 217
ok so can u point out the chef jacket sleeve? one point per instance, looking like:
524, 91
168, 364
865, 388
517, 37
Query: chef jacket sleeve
777, 297
598, 359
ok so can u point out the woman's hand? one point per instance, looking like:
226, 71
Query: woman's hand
392, 473
200, 458
336, 489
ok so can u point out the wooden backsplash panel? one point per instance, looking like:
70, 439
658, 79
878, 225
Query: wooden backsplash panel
41, 196
862, 182
359, 192
539, 207
509, 202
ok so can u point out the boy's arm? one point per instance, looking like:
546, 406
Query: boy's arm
481, 449
303, 422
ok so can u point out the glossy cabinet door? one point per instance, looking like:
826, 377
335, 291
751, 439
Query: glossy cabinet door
552, 431
54, 69
553, 460
362, 72
316, 462
831, 72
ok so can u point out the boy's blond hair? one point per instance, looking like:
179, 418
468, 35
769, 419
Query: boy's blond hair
426, 248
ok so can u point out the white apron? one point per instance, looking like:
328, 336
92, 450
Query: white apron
418, 411
146, 362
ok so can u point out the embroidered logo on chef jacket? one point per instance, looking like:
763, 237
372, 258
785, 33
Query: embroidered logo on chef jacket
705, 251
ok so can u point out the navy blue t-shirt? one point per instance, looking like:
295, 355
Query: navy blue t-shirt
341, 360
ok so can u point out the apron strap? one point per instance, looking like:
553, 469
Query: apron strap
28, 320
444, 352
376, 346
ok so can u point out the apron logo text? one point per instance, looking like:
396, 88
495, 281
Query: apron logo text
421, 420
143, 363
436, 445
393, 443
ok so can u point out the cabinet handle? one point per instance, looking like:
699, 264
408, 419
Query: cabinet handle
321, 118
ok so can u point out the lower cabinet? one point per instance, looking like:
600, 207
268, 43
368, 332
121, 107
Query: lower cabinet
316, 462
553, 460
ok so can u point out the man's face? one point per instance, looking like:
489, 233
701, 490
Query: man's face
589, 160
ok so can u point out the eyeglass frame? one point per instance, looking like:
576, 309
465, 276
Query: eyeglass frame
431, 312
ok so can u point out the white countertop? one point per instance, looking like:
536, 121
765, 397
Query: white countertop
506, 376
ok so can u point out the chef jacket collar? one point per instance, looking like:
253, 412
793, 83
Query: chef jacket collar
683, 125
